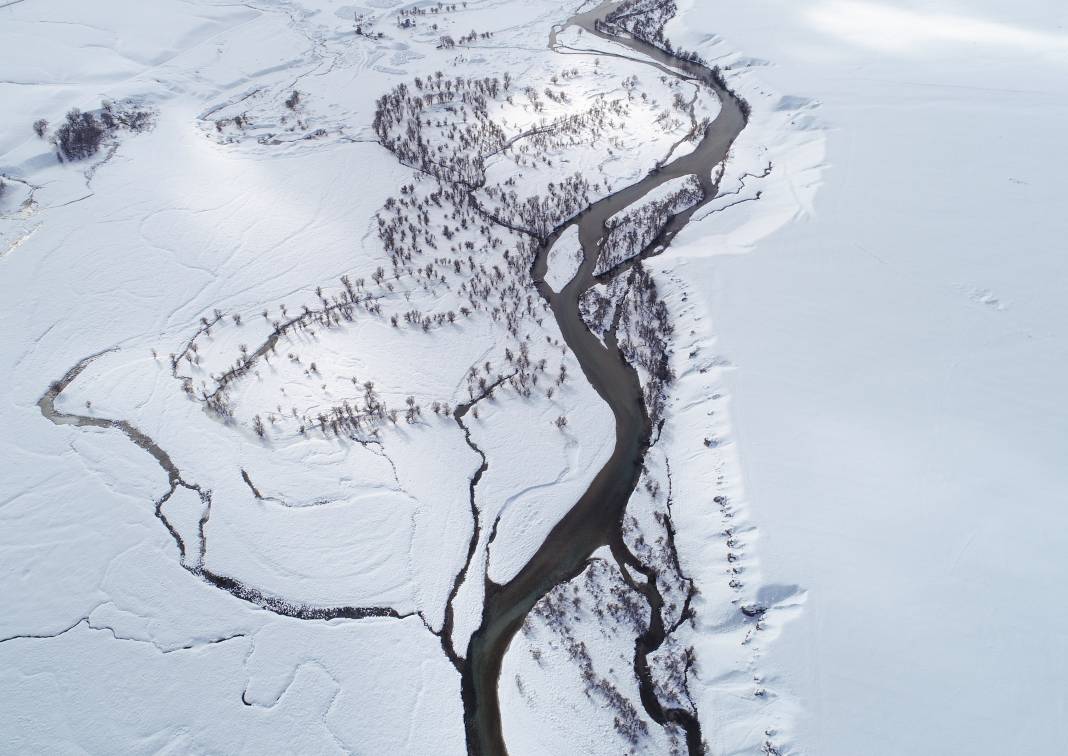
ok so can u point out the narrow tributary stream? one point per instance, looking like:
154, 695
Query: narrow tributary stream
596, 519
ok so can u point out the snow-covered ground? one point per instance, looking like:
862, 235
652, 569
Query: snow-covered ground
353, 408
897, 360
222, 281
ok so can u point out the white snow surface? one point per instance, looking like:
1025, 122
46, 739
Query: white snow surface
896, 359
865, 437
564, 259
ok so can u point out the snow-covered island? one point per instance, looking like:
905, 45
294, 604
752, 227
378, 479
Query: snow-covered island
531, 377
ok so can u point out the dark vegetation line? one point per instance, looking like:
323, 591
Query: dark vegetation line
195, 564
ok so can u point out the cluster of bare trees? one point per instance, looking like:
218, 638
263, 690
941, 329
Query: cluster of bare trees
514, 304
645, 20
331, 312
82, 133
562, 609
409, 227
359, 422
458, 108
80, 136
521, 374
541, 214
675, 664
438, 230
659, 553
598, 305
671, 664
432, 10
473, 36
599, 120
446, 42
632, 232
442, 127
241, 120
362, 423
501, 289
630, 307
406, 20
646, 338
621, 612
413, 224
364, 26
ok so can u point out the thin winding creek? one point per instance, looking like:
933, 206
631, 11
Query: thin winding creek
597, 517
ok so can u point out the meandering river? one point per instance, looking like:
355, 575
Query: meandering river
596, 519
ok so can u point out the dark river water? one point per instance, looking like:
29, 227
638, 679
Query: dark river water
596, 518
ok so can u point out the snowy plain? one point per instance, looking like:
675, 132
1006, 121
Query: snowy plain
869, 350
154, 249
898, 360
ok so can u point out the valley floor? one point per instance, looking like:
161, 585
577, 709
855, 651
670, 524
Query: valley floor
285, 402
